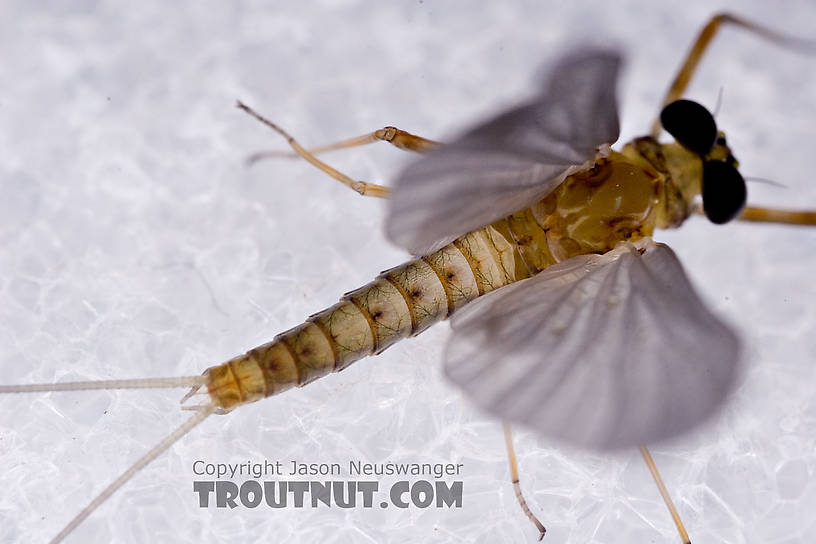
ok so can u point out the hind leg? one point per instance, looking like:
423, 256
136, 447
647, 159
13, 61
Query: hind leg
514, 476
398, 138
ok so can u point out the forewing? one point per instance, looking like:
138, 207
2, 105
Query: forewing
510, 161
603, 351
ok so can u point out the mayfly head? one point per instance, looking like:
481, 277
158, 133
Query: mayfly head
721, 185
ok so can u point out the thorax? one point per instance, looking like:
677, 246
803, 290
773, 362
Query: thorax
624, 196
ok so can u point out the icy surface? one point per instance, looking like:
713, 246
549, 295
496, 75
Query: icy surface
134, 243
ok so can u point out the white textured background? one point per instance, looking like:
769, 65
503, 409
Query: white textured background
134, 243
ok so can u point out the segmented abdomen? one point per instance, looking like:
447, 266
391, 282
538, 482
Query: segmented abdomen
589, 212
401, 302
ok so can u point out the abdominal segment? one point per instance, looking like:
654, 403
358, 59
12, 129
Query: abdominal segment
590, 212
400, 302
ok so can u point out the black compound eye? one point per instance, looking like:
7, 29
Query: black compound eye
723, 191
690, 124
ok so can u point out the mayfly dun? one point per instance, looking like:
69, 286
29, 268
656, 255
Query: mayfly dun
535, 237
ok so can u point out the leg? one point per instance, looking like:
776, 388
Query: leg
396, 137
708, 32
772, 215
511, 456
665, 494
365, 189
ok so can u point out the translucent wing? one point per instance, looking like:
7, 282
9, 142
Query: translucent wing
511, 161
604, 351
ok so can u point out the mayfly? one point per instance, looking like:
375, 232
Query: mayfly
535, 236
